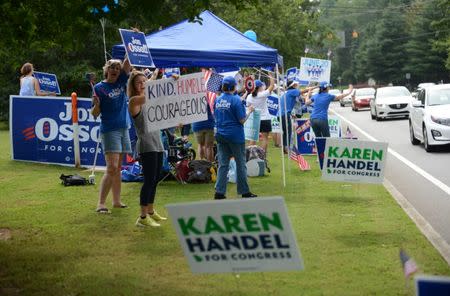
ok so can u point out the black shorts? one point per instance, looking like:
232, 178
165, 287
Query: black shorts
266, 126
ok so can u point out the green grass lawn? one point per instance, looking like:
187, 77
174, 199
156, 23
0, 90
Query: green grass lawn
349, 237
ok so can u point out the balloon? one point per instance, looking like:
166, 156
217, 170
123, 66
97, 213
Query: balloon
250, 35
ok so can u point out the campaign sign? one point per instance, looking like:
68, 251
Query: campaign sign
168, 72
136, 48
272, 105
47, 82
251, 126
276, 126
291, 73
171, 102
314, 70
432, 285
236, 235
305, 134
41, 130
348, 160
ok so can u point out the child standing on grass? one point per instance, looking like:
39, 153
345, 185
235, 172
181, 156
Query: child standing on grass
149, 147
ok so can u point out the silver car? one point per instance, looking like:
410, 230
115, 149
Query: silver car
390, 102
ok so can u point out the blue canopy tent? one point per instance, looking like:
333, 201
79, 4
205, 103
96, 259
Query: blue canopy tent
214, 43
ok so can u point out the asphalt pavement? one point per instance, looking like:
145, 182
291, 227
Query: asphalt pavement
422, 178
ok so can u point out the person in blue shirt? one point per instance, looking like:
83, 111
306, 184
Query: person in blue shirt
291, 97
229, 113
204, 134
110, 101
319, 115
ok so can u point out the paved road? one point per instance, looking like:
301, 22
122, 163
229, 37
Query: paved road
429, 196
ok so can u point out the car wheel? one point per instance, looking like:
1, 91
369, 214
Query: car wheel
413, 139
376, 116
371, 115
342, 104
428, 147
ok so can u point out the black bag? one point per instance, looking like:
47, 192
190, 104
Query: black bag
253, 152
73, 180
201, 171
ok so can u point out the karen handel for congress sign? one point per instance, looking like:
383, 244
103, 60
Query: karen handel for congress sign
351, 160
244, 235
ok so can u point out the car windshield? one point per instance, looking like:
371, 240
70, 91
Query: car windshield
365, 92
393, 92
439, 97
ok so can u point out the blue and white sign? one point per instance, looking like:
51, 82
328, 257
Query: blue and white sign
168, 72
251, 126
47, 82
137, 49
41, 130
314, 70
432, 285
272, 105
306, 137
292, 73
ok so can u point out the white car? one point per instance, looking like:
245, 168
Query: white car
390, 102
429, 119
346, 100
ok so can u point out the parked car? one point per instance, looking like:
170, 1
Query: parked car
425, 84
361, 98
390, 102
429, 119
345, 101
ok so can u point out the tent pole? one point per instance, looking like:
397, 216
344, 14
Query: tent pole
280, 119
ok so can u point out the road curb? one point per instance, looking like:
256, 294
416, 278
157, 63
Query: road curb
433, 237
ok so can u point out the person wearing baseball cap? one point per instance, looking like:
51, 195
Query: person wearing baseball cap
291, 97
258, 99
319, 115
230, 115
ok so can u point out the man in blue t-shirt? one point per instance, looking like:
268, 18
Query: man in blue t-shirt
229, 113
291, 97
319, 115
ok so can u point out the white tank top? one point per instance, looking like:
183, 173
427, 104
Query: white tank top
27, 86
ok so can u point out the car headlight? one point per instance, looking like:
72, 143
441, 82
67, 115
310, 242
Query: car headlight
439, 120
381, 105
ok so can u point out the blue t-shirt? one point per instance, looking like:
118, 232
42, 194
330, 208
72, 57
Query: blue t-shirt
206, 124
321, 103
291, 96
113, 104
228, 111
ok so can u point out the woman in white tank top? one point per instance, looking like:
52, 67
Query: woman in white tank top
29, 85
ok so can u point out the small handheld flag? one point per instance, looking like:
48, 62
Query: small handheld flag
409, 266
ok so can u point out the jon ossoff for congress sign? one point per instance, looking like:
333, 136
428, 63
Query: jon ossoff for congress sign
351, 160
236, 235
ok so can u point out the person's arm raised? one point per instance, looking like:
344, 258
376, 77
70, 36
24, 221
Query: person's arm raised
343, 95
135, 103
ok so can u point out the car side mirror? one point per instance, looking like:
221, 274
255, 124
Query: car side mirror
417, 104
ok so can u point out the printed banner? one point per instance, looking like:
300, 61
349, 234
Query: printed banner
427, 285
170, 102
305, 134
251, 126
349, 160
47, 82
276, 126
314, 70
41, 130
240, 235
137, 50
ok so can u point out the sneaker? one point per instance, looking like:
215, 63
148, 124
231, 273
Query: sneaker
249, 195
157, 217
219, 196
147, 221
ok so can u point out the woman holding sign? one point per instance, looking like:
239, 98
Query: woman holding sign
149, 147
230, 116
258, 99
29, 86
319, 115
110, 101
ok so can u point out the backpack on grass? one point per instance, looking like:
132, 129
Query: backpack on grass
200, 171
73, 180
254, 152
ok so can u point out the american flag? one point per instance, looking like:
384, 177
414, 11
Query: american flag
299, 159
409, 266
213, 85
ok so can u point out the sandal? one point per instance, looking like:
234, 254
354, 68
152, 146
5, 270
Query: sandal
102, 211
121, 206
